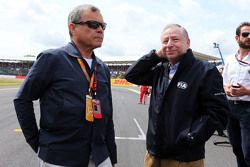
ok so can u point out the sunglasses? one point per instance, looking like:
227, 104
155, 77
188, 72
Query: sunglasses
92, 24
245, 34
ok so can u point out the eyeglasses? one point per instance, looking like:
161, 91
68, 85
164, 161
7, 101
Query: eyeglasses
245, 34
92, 24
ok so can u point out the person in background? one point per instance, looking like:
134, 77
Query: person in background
221, 131
143, 94
187, 102
236, 77
73, 87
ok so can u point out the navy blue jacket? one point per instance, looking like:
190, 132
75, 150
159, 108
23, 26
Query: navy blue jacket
184, 113
65, 137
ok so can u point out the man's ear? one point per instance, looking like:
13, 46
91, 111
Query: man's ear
188, 42
71, 27
237, 38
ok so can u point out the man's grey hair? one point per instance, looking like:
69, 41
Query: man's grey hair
184, 31
76, 14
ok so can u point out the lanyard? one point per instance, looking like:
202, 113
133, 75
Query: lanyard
90, 80
241, 62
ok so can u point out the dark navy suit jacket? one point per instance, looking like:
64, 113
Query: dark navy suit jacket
64, 137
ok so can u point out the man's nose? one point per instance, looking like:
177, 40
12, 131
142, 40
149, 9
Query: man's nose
100, 29
169, 43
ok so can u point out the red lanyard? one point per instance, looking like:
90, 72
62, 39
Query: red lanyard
90, 80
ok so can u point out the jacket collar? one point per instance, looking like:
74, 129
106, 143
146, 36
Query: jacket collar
187, 59
73, 51
185, 62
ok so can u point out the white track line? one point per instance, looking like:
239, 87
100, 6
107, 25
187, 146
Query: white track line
8, 89
141, 136
133, 90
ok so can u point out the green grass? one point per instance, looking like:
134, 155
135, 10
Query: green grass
10, 82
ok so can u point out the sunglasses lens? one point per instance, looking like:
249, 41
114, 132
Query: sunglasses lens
92, 24
95, 24
245, 34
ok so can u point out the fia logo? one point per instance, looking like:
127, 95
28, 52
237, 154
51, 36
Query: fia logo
182, 85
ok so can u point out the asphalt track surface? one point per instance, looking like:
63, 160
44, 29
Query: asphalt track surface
130, 119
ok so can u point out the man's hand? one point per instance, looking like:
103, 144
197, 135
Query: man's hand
161, 53
227, 89
233, 91
240, 91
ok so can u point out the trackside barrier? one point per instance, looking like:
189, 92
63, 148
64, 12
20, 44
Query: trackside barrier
121, 82
114, 82
20, 77
8, 76
12, 76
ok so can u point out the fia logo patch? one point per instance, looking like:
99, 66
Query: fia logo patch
182, 85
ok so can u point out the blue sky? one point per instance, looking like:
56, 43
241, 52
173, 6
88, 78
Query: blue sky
134, 27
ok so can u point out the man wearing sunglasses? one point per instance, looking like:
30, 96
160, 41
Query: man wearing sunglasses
187, 102
236, 76
73, 86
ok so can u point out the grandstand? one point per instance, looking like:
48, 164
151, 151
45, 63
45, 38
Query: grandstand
15, 67
117, 68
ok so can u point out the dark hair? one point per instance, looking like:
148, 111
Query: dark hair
238, 29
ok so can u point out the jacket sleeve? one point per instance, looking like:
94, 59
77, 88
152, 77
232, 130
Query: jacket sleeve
110, 138
214, 107
141, 72
32, 88
26, 117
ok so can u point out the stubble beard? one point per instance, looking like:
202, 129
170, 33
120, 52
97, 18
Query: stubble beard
244, 45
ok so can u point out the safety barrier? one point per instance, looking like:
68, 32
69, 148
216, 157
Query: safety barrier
114, 82
121, 82
20, 77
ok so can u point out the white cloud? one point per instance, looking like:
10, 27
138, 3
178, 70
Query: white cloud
134, 31
49, 38
242, 4
218, 37
190, 7
134, 27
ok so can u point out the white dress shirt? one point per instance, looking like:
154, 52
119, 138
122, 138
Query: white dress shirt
172, 71
237, 71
